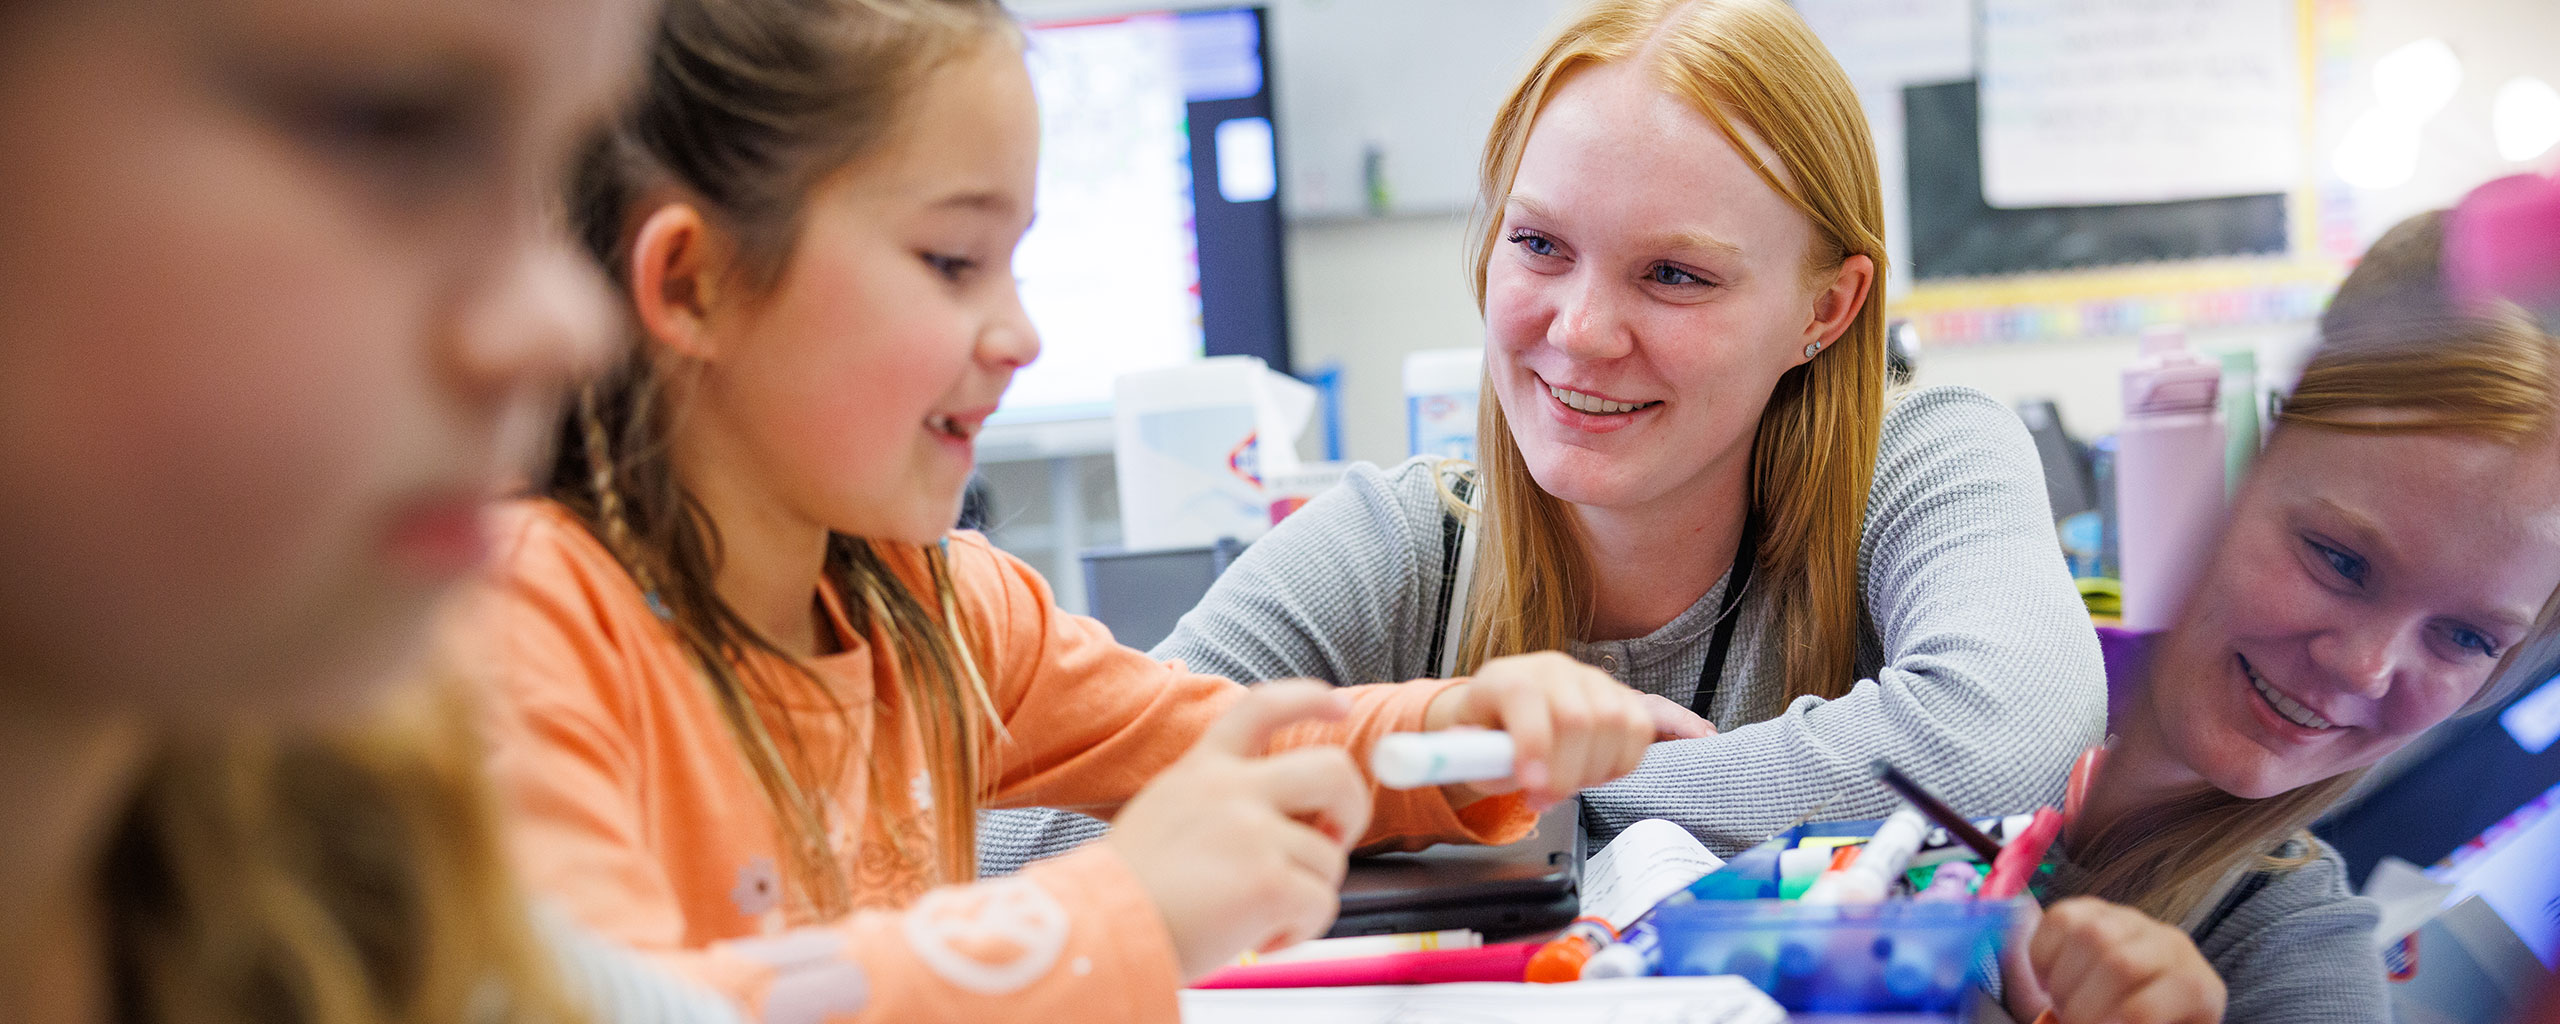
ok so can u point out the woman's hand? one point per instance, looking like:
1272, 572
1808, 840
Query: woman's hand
2090, 961
1242, 851
1673, 722
1572, 726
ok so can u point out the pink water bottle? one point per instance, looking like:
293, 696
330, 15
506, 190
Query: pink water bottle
2169, 476
2504, 241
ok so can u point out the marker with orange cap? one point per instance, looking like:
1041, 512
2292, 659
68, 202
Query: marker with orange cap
1561, 959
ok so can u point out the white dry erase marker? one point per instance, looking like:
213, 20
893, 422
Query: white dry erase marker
1412, 760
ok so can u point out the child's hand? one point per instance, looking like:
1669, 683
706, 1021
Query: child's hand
1242, 851
1572, 725
2088, 961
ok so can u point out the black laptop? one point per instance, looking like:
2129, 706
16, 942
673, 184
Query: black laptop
1531, 886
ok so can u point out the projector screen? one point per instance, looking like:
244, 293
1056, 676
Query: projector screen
1158, 236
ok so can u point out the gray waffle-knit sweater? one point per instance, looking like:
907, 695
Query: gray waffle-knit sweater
1979, 671
2297, 950
2300, 950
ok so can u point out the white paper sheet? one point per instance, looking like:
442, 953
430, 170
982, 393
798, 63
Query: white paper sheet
1652, 859
2089, 102
1719, 1000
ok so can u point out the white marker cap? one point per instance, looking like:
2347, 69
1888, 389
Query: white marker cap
1617, 961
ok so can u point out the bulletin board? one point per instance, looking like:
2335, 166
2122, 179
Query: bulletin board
2092, 221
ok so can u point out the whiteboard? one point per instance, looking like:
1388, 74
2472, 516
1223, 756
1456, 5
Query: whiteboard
2094, 102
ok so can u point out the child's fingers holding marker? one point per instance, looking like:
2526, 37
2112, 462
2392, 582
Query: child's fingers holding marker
1591, 712
1571, 725
1626, 730
1238, 850
1319, 785
1541, 727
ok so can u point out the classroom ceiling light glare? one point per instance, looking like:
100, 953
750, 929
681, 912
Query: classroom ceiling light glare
2419, 78
2380, 149
2525, 118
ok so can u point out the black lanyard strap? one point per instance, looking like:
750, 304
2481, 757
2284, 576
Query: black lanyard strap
1711, 675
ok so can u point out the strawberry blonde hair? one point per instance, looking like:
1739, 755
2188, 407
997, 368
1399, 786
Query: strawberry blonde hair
1750, 66
2390, 341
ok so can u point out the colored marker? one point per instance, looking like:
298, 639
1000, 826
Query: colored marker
1828, 882
1561, 959
1412, 760
1799, 868
1870, 877
1639, 945
1952, 884
1632, 956
1506, 962
1937, 810
2017, 862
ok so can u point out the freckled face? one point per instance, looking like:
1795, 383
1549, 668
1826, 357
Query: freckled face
1647, 291
2365, 590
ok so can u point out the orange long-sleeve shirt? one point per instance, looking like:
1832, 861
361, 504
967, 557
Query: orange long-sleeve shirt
634, 809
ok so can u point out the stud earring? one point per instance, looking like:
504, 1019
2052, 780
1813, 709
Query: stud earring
1812, 349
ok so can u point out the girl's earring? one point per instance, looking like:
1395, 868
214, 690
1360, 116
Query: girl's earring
1812, 349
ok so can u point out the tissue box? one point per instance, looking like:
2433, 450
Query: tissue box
1193, 444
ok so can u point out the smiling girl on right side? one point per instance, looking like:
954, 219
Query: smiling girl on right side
2394, 550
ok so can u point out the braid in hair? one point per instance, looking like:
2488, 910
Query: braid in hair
749, 105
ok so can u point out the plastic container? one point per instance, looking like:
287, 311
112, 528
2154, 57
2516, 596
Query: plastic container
1896, 957
2169, 469
1899, 956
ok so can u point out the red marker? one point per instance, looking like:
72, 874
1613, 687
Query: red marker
2018, 860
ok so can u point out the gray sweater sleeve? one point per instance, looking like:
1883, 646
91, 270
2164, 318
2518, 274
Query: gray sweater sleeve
1990, 680
1344, 590
1328, 594
2300, 951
